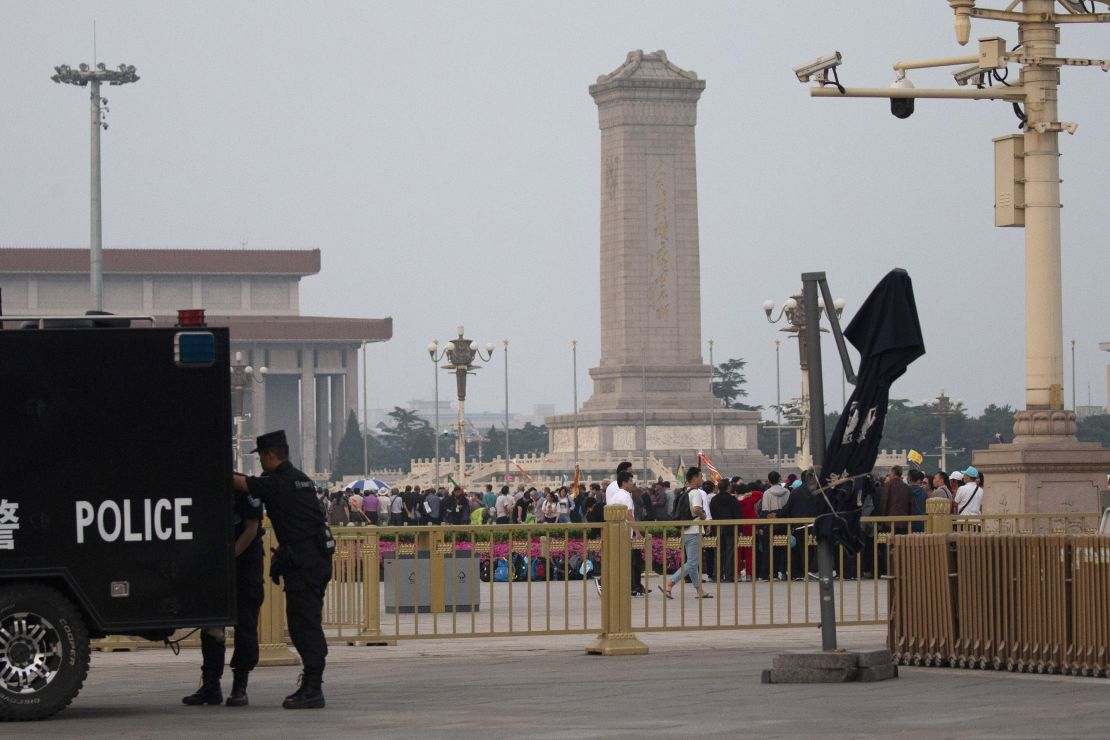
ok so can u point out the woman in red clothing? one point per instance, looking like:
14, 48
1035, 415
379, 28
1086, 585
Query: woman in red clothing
749, 497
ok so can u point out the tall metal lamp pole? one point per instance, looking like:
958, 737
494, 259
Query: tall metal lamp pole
506, 343
574, 366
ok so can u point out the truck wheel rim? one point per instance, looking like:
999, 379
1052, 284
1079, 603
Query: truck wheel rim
30, 653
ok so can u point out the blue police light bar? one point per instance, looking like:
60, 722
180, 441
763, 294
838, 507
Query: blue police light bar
194, 349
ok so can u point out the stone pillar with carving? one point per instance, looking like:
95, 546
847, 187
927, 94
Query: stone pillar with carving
651, 385
650, 277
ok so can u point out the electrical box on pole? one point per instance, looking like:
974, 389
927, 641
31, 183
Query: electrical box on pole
992, 52
1009, 180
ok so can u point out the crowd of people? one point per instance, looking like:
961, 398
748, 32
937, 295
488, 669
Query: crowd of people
899, 493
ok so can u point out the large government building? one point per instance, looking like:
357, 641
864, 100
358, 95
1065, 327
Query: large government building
312, 361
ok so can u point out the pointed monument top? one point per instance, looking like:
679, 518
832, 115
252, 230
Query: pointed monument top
669, 92
649, 66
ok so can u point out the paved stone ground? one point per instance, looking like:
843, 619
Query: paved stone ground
692, 683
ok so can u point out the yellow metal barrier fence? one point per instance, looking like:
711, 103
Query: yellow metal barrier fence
392, 583
1020, 602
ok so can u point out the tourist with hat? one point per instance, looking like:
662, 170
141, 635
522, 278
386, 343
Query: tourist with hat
969, 496
303, 558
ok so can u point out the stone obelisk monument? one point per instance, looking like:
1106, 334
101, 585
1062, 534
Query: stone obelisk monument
652, 389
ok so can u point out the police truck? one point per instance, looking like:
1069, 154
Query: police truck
115, 493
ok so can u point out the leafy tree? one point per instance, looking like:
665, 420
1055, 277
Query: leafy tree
528, 440
1095, 429
728, 382
404, 437
914, 426
769, 438
348, 459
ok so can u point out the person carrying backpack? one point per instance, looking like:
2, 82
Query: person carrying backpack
690, 505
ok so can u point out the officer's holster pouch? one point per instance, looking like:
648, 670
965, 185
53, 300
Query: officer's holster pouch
327, 541
280, 563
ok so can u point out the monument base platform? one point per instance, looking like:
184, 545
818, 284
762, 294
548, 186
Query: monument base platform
1043, 470
728, 436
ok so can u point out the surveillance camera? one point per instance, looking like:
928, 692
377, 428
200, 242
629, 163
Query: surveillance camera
973, 73
818, 68
901, 107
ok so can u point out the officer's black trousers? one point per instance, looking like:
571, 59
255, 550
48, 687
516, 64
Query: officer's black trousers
304, 605
248, 598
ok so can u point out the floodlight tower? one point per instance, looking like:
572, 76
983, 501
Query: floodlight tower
84, 76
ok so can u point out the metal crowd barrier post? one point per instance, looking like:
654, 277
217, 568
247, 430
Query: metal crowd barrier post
272, 647
616, 636
939, 516
371, 631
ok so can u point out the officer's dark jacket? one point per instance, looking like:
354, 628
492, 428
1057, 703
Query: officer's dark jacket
247, 507
290, 498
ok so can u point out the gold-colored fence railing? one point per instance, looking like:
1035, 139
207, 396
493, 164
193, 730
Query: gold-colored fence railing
394, 583
1019, 602
501, 580
455, 581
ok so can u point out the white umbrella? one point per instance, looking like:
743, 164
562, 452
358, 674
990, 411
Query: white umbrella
368, 484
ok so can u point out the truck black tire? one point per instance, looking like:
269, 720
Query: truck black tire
44, 651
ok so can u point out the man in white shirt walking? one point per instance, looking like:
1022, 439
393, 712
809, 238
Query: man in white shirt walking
691, 535
623, 497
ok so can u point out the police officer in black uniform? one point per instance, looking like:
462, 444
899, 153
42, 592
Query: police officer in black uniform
303, 558
248, 597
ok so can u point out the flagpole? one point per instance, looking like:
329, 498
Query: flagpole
574, 363
712, 409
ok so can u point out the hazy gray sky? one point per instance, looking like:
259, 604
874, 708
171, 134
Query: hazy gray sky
444, 158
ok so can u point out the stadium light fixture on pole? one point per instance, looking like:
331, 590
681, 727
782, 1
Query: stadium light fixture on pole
84, 76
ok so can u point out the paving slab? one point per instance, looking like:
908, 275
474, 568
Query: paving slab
547, 687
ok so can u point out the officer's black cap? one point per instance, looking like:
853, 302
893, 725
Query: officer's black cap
270, 439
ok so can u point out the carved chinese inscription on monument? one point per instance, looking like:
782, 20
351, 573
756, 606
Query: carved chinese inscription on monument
612, 164
661, 236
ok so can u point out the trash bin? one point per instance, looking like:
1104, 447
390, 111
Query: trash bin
411, 581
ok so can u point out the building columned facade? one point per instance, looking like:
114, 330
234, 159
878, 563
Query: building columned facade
312, 362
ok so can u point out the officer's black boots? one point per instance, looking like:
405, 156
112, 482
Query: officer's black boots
208, 693
238, 696
308, 696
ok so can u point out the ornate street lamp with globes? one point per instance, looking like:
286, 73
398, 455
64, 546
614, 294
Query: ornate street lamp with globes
241, 376
461, 354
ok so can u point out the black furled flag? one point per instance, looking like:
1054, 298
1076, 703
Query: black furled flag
887, 333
